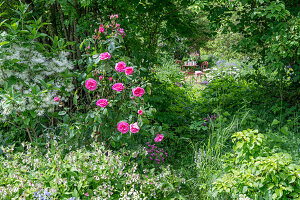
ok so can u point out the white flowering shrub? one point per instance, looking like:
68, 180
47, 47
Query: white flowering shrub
30, 78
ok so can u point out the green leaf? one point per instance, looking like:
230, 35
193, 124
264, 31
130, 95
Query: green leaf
62, 113
275, 122
285, 130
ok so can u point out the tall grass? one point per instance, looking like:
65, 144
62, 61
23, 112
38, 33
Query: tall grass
208, 157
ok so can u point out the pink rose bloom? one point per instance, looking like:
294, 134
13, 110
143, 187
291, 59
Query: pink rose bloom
118, 87
100, 77
101, 29
134, 128
158, 138
138, 92
102, 103
128, 70
105, 56
123, 127
140, 112
120, 66
117, 25
91, 84
110, 78
56, 98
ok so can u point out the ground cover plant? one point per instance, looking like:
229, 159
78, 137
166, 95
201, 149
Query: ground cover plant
93, 104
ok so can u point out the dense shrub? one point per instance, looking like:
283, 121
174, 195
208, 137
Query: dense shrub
257, 172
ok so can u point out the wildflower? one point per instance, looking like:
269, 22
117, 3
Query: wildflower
134, 128
140, 112
128, 70
138, 92
105, 56
102, 103
120, 66
91, 84
158, 138
118, 87
56, 99
123, 127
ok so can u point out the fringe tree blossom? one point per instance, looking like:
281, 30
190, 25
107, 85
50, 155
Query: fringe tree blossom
34, 68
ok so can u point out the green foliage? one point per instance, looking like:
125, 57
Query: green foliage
30, 76
257, 171
96, 171
269, 28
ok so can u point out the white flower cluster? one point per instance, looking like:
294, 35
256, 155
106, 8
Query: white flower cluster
243, 197
24, 68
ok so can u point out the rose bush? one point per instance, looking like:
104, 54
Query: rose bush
116, 109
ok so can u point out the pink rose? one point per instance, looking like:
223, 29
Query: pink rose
118, 87
134, 128
120, 66
105, 56
140, 112
91, 84
128, 70
117, 25
100, 77
102, 103
123, 127
158, 138
56, 98
101, 29
110, 78
138, 92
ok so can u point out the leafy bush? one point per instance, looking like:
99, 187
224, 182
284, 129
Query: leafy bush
254, 170
97, 173
31, 76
